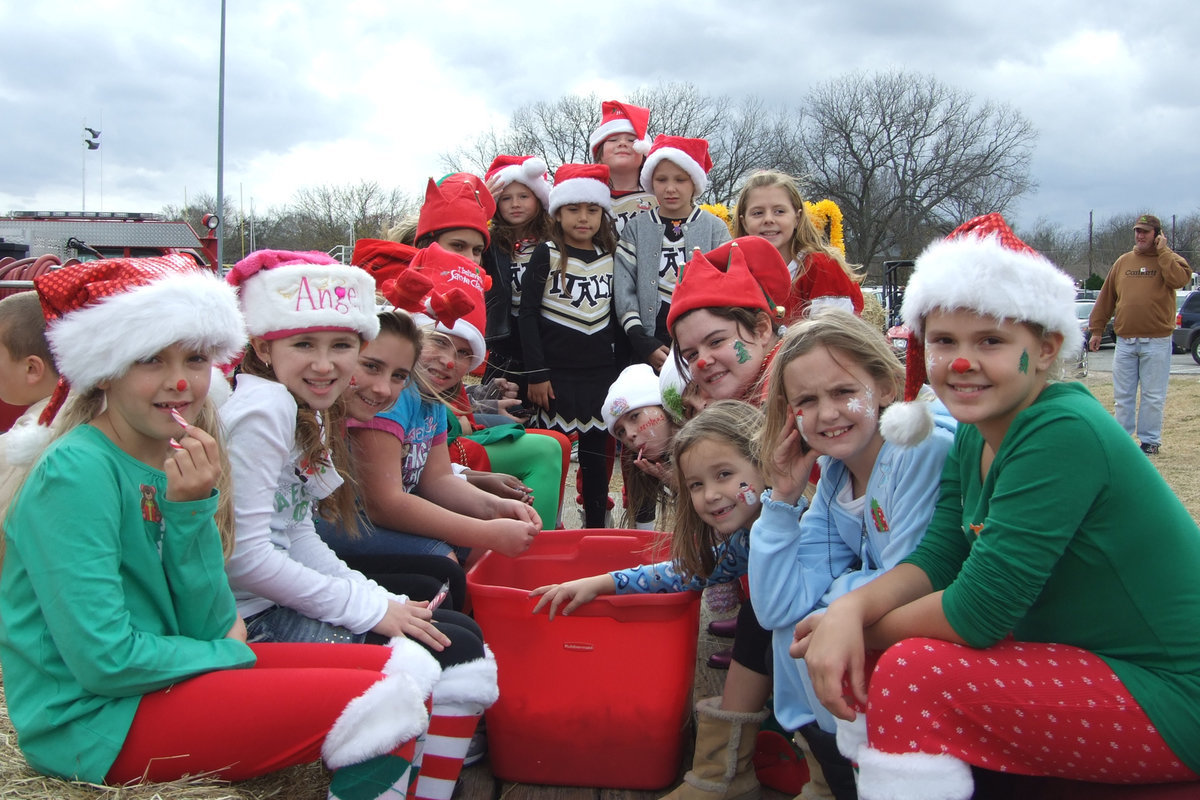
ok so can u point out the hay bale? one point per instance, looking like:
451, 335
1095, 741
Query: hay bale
19, 782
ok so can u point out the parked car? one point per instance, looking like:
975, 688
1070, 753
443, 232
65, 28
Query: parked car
1083, 310
1186, 338
1180, 296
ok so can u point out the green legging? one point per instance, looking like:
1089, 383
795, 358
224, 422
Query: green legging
540, 460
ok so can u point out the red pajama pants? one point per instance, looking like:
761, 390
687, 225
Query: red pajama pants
240, 723
1028, 708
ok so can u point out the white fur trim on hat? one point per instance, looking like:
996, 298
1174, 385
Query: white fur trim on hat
580, 190
671, 384
980, 274
461, 328
636, 387
101, 341
912, 776
532, 173
293, 298
908, 424
679, 159
389, 713
612, 128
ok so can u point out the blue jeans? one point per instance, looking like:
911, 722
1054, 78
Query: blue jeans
379, 541
1148, 362
280, 624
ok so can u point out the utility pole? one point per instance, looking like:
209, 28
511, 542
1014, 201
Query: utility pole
220, 232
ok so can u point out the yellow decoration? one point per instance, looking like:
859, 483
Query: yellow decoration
826, 215
719, 210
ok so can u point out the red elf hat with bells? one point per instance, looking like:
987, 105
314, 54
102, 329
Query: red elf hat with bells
690, 155
104, 316
983, 267
617, 117
445, 290
382, 259
723, 278
459, 200
527, 170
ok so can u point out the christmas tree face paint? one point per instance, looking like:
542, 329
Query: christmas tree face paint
740, 351
1023, 364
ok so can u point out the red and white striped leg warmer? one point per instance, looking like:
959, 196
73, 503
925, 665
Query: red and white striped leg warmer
459, 700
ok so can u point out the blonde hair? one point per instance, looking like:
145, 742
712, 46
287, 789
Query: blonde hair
339, 506
806, 238
842, 334
727, 421
84, 408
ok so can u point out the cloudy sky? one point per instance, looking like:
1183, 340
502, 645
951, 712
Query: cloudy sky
337, 92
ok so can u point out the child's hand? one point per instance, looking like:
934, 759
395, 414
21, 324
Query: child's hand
192, 468
659, 470
506, 403
508, 390
573, 593
503, 486
791, 463
238, 631
834, 650
658, 358
411, 620
511, 537
540, 394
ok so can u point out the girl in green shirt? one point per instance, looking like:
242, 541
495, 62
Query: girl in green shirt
1036, 629
124, 657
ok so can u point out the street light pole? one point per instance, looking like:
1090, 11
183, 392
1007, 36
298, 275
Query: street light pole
221, 151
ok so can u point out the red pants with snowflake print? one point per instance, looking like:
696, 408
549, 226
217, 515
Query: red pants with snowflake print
1022, 707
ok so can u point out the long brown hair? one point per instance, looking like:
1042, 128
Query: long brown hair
605, 238
730, 421
339, 507
505, 235
806, 238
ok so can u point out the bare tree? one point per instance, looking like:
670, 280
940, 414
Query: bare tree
907, 157
742, 135
1066, 248
329, 216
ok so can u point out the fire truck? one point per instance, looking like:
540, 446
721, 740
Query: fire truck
91, 235
35, 242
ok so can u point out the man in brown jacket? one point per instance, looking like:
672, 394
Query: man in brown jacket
1140, 287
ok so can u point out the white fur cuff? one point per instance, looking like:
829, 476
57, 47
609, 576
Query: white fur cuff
376, 722
912, 776
852, 736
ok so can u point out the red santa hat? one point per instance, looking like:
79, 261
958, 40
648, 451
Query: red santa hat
690, 155
382, 259
444, 290
707, 282
527, 170
982, 266
617, 117
581, 183
104, 316
284, 292
459, 200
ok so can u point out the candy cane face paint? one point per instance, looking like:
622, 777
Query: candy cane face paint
836, 403
645, 430
724, 357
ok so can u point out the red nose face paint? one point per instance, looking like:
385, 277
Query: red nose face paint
701, 363
181, 386
960, 365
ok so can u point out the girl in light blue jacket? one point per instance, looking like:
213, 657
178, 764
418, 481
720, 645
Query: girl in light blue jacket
830, 382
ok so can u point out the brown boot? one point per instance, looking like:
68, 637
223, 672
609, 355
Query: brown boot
722, 768
816, 788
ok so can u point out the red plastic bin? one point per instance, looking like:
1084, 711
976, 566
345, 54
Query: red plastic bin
599, 698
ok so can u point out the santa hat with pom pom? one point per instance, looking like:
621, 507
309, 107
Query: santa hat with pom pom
445, 290
581, 183
982, 267
617, 117
690, 155
527, 170
104, 316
